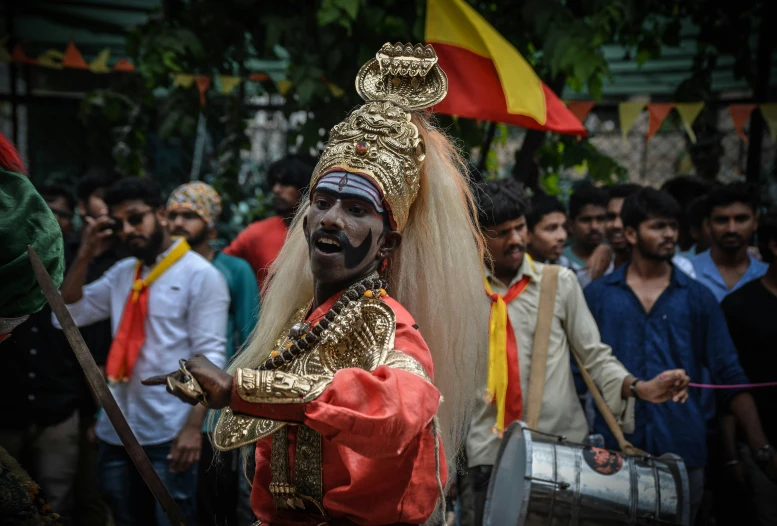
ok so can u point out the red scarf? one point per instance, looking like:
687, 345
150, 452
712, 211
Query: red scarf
132, 329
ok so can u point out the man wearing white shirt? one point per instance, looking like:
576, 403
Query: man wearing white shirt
165, 303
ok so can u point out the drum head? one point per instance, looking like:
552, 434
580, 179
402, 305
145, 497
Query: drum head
510, 487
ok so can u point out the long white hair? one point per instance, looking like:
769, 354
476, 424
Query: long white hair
436, 274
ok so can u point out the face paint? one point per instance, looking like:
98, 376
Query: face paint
354, 255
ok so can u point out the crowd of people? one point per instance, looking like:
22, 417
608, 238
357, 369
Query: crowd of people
656, 280
208, 303
341, 340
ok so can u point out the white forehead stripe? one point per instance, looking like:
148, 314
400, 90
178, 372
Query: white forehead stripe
352, 184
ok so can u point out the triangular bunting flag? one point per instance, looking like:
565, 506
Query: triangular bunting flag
628, 112
740, 113
100, 63
658, 112
17, 55
229, 83
580, 108
73, 57
203, 83
123, 66
689, 111
283, 86
183, 80
769, 112
51, 59
5, 56
335, 90
259, 77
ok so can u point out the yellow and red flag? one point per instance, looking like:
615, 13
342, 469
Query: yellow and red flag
488, 78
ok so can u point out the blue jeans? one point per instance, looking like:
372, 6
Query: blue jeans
128, 497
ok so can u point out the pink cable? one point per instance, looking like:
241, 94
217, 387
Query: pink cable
732, 386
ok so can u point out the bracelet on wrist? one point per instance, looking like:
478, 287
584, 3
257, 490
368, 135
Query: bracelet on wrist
633, 389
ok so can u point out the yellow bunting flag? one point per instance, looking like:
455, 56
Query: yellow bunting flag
203, 83
73, 57
283, 86
100, 63
689, 111
658, 112
628, 112
335, 90
183, 80
51, 59
740, 114
5, 56
769, 112
229, 83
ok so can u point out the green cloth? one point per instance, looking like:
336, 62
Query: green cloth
25, 219
244, 299
243, 309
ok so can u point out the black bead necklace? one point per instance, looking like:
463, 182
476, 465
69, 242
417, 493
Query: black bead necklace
304, 336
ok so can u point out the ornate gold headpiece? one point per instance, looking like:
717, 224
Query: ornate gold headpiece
378, 139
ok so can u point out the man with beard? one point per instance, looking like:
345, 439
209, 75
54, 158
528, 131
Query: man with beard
732, 215
618, 253
192, 212
546, 229
260, 242
655, 317
165, 302
358, 339
514, 286
587, 214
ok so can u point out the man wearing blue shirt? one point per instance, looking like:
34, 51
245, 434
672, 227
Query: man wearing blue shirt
732, 215
655, 317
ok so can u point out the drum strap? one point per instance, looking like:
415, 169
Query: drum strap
539, 357
623, 444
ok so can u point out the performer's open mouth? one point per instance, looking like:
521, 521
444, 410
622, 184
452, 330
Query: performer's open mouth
328, 245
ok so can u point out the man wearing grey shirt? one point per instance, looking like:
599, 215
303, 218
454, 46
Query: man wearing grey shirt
165, 303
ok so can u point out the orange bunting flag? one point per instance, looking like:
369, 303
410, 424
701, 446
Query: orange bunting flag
259, 77
487, 78
123, 66
17, 55
580, 108
658, 112
73, 57
203, 83
740, 113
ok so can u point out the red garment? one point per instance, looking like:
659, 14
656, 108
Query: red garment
126, 345
259, 244
378, 443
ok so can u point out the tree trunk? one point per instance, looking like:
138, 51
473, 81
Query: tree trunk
761, 89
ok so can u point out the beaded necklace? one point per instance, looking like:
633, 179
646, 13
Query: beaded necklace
304, 336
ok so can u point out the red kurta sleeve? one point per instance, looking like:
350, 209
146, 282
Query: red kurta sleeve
376, 414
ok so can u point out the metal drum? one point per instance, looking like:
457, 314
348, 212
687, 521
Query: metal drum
541, 479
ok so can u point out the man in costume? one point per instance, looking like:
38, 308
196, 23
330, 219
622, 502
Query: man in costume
164, 303
516, 339
192, 212
361, 335
25, 219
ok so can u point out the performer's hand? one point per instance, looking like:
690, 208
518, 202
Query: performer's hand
215, 383
95, 238
599, 261
669, 385
186, 449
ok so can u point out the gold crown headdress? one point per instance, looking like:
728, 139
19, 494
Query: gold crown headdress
377, 139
